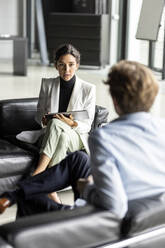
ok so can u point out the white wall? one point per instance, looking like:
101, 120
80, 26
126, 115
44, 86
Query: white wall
137, 49
10, 22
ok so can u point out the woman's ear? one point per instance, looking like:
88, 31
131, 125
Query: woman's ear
77, 66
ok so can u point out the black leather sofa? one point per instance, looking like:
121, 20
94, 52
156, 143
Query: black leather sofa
88, 227
17, 158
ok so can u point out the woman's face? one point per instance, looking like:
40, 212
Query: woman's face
67, 66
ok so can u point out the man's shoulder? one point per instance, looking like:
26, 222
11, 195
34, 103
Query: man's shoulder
121, 127
104, 131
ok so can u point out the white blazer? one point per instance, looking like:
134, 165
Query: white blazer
83, 98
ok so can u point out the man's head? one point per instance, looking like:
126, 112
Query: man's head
132, 86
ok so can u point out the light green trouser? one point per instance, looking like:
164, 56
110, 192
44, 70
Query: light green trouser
59, 139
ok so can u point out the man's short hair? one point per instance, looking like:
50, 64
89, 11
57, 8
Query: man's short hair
133, 85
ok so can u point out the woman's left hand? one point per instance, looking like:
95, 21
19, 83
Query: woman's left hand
68, 120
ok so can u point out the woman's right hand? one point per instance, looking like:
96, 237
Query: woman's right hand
45, 120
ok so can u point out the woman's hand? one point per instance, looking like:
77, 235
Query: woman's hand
44, 121
68, 120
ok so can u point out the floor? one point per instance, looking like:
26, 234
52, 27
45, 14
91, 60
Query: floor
28, 86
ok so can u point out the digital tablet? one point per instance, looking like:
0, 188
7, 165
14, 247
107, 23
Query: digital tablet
77, 115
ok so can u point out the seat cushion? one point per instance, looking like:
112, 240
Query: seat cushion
4, 244
77, 228
13, 160
14, 163
9, 183
24, 145
143, 214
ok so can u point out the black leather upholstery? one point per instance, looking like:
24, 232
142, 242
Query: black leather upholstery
16, 157
14, 163
11, 158
17, 115
4, 244
101, 116
152, 242
82, 227
86, 227
78, 228
143, 214
24, 145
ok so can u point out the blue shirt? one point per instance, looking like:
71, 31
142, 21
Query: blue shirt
128, 161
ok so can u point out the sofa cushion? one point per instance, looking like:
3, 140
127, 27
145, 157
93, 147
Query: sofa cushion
14, 163
143, 214
4, 244
9, 183
101, 116
18, 115
24, 145
14, 160
78, 228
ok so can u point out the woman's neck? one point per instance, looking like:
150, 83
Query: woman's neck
69, 82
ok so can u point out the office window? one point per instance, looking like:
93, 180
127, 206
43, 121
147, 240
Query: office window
159, 45
137, 49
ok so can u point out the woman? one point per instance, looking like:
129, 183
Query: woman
64, 93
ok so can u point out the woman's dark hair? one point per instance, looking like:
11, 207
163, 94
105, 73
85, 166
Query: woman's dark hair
133, 85
66, 49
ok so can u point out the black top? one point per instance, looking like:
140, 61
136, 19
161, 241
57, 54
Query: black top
66, 88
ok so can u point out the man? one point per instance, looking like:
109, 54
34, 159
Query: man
127, 155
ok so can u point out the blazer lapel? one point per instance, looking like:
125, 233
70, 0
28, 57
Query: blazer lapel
55, 93
74, 97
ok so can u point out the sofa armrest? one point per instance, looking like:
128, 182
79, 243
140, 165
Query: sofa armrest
100, 118
80, 227
143, 215
4, 244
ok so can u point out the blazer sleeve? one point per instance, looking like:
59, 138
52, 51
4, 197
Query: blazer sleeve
108, 191
89, 102
41, 102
